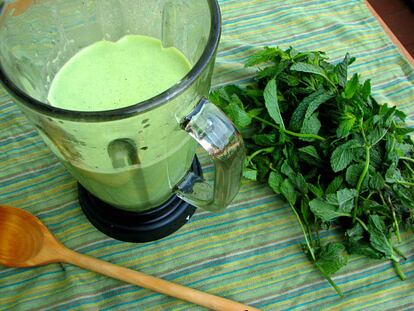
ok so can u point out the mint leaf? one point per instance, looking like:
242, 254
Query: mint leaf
262, 56
332, 199
404, 130
288, 191
343, 155
274, 181
309, 68
289, 79
376, 181
332, 257
312, 125
255, 112
325, 211
306, 213
307, 106
311, 151
351, 86
299, 182
353, 173
355, 233
286, 169
378, 238
335, 184
271, 102
387, 114
250, 174
316, 190
239, 116
363, 248
342, 70
273, 71
376, 135
345, 126
366, 90
393, 174
217, 98
345, 199
313, 105
264, 139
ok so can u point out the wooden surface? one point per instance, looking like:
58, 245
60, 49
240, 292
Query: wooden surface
397, 17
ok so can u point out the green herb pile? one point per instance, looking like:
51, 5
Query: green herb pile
338, 157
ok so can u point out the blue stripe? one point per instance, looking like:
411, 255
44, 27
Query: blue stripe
48, 181
325, 285
9, 104
290, 13
23, 137
19, 149
314, 33
347, 293
33, 173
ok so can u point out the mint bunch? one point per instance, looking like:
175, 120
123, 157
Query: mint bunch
337, 156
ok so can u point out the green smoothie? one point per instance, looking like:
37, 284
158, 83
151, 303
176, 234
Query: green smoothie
132, 163
108, 75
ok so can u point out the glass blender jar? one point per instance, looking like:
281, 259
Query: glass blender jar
139, 178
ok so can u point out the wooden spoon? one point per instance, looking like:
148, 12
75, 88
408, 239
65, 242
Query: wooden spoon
26, 242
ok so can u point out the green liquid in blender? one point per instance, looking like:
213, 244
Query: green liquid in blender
106, 76
109, 75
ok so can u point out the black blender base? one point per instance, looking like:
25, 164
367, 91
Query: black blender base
138, 227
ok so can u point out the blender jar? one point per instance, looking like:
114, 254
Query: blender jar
133, 162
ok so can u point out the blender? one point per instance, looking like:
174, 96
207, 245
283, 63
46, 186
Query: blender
138, 175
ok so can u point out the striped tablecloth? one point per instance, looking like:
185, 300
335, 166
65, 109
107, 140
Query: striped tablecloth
250, 252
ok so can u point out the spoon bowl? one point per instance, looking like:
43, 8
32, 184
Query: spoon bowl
21, 237
26, 242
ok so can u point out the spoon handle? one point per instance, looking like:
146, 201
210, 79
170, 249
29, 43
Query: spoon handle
153, 283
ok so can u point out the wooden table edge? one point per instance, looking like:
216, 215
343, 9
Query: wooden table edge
392, 36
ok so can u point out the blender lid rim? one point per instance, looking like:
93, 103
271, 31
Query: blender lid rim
125, 112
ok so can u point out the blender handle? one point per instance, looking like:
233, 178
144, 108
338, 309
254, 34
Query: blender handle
211, 128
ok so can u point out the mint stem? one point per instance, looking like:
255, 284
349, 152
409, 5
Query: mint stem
304, 233
337, 289
398, 270
394, 217
409, 167
257, 152
362, 224
404, 183
318, 238
310, 235
333, 284
407, 159
361, 180
300, 135
400, 253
